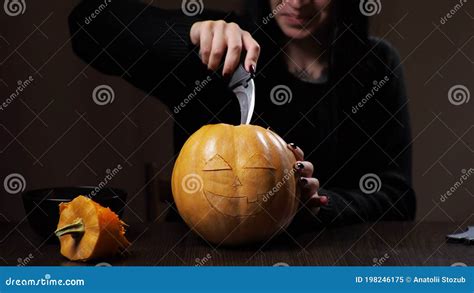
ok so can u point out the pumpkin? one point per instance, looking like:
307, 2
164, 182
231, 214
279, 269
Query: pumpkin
235, 184
87, 231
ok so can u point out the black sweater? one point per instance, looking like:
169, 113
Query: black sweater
346, 137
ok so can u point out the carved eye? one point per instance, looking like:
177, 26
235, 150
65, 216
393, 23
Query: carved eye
216, 163
258, 161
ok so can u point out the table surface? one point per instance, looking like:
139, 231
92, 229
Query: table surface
165, 244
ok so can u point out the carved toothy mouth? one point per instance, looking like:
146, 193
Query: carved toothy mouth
235, 206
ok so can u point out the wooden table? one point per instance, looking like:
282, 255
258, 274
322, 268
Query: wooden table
165, 244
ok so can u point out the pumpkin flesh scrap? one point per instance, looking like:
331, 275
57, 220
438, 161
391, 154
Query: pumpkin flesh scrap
86, 230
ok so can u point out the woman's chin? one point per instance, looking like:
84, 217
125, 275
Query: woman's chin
296, 33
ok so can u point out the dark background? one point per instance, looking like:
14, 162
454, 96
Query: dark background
53, 134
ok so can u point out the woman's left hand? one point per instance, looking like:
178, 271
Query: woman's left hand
309, 185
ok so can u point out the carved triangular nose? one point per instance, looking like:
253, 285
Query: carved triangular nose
236, 182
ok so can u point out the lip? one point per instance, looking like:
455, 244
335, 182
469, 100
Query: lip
226, 204
295, 19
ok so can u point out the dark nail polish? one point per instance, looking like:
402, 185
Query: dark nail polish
303, 181
299, 166
324, 200
252, 69
293, 145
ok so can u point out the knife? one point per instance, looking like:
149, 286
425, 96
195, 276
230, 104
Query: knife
466, 237
243, 86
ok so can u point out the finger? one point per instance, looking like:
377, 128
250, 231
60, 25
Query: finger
253, 51
195, 33
309, 186
299, 154
234, 48
218, 46
316, 201
205, 41
304, 168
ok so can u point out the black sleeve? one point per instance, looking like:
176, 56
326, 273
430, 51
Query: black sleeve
148, 46
384, 159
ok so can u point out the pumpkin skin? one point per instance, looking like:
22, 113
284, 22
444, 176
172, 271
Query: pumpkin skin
88, 231
235, 184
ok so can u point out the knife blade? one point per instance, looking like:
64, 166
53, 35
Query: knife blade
466, 236
243, 86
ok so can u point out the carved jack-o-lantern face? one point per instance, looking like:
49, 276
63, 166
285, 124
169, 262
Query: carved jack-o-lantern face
242, 189
238, 191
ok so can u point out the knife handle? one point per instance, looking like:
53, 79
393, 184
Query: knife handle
240, 77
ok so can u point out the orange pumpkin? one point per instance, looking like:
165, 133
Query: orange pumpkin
87, 231
235, 184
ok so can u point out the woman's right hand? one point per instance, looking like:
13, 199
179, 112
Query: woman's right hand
218, 38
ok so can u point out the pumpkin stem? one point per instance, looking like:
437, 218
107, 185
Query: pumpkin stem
76, 228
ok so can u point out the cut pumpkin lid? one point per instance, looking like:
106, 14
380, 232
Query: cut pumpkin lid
87, 231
